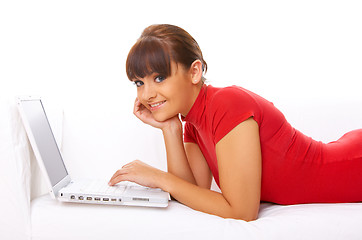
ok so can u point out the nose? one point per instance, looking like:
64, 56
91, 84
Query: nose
148, 92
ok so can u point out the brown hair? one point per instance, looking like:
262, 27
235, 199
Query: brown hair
157, 47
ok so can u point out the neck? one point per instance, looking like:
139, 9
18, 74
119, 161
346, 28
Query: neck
195, 91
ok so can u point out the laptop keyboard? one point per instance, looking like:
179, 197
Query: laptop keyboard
103, 188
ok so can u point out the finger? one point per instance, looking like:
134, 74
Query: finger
136, 101
137, 112
124, 170
117, 179
137, 106
124, 175
119, 172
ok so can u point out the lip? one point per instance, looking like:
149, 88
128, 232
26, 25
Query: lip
156, 105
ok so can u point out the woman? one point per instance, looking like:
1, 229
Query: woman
230, 134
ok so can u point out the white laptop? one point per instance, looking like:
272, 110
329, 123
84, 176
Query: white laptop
61, 186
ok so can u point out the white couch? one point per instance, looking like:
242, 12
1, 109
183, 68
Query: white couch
97, 139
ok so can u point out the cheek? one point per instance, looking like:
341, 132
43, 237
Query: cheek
141, 100
138, 93
139, 96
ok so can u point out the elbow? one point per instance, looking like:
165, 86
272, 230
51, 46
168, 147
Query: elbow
250, 219
248, 211
244, 215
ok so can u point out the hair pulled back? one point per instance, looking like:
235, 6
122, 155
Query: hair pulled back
157, 47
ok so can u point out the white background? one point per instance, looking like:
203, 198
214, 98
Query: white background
301, 55
296, 49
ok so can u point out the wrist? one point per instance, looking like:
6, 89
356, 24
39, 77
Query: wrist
166, 179
172, 127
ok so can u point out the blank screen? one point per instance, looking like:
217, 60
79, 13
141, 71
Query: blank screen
44, 139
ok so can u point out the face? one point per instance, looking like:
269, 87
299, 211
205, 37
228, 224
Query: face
167, 97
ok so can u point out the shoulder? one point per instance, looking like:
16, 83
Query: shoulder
232, 95
228, 107
232, 99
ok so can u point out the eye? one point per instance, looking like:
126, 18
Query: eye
159, 79
138, 83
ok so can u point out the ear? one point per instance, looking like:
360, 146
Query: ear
196, 71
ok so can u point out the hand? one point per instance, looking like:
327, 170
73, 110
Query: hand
145, 115
139, 173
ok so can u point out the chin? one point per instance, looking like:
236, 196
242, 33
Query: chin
162, 117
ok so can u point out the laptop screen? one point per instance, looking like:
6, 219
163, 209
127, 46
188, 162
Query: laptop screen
44, 140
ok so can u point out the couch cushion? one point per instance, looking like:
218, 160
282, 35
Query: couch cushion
55, 220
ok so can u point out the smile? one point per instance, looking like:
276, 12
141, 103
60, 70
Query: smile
157, 105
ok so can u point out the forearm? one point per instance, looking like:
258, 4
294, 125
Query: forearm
204, 200
177, 162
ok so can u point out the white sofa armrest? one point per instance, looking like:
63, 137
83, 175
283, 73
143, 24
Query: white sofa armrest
14, 174
20, 178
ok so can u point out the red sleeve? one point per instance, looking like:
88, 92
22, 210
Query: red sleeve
189, 133
229, 107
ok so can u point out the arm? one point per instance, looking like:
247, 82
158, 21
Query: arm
185, 161
198, 165
177, 162
239, 162
190, 165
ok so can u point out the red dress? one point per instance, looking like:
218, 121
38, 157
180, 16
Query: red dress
295, 168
